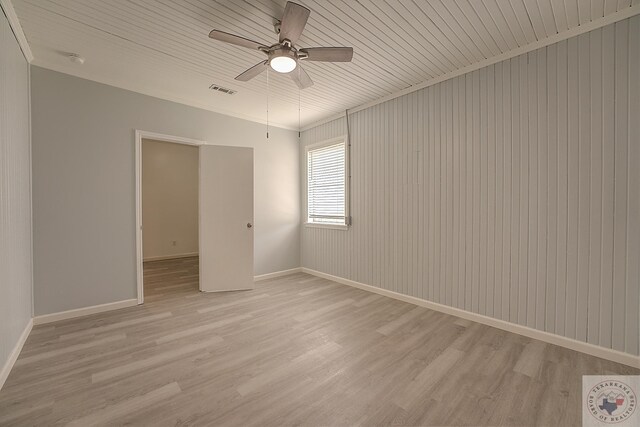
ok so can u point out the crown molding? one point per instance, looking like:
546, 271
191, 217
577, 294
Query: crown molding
590, 26
12, 17
166, 96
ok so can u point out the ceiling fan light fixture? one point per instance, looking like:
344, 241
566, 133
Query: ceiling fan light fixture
283, 56
283, 64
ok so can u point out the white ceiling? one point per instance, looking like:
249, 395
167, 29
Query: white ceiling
161, 48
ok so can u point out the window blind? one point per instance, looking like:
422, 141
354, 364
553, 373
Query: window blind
326, 184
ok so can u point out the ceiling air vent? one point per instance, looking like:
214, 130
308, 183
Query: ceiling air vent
222, 89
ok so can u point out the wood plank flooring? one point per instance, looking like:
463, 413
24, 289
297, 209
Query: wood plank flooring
297, 350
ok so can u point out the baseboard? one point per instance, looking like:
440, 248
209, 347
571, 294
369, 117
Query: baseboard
277, 274
583, 347
13, 356
165, 257
85, 311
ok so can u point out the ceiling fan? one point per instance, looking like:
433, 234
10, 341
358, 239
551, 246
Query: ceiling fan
284, 56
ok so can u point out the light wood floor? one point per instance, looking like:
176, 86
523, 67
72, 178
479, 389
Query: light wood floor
297, 350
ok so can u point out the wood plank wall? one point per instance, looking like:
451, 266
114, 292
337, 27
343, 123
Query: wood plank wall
512, 191
15, 194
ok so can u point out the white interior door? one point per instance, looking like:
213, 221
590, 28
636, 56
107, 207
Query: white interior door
226, 218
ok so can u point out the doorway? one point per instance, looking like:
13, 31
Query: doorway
194, 215
170, 218
167, 200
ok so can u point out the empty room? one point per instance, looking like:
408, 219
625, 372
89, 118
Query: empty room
319, 212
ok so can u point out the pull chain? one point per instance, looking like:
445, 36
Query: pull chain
299, 104
267, 103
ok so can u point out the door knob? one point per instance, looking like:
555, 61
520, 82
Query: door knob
249, 225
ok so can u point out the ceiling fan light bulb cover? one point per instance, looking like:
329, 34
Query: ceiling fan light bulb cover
283, 64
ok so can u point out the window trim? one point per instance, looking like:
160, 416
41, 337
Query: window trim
315, 146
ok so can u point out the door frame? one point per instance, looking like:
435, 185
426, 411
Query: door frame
139, 136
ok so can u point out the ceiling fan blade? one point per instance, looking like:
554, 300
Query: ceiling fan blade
253, 71
328, 54
293, 22
301, 78
233, 39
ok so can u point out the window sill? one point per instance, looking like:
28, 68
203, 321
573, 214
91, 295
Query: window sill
329, 226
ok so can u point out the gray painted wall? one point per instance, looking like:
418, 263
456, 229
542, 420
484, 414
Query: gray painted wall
15, 193
512, 191
83, 186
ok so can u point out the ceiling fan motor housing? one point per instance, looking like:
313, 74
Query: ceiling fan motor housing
283, 51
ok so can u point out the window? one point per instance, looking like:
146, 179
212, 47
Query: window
326, 178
